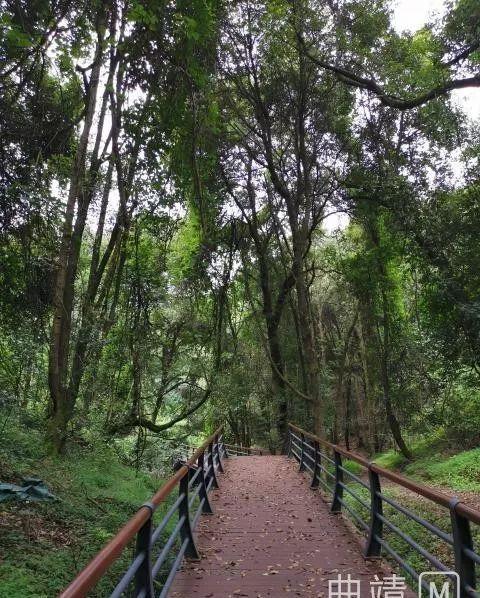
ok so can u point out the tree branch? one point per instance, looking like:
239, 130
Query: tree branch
149, 425
350, 78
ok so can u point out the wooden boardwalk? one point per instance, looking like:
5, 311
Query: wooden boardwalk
272, 536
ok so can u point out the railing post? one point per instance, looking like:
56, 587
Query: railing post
289, 442
373, 547
302, 454
338, 488
184, 511
462, 538
316, 468
217, 452
224, 448
211, 462
143, 577
207, 507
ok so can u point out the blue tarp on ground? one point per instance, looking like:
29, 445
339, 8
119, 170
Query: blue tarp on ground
33, 489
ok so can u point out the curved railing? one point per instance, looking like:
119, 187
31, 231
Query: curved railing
194, 479
243, 451
324, 462
234, 450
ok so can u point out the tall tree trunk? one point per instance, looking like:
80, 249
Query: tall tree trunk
340, 410
346, 424
359, 405
371, 408
87, 321
272, 313
310, 355
61, 405
384, 365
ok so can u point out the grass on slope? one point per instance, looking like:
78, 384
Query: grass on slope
433, 465
42, 545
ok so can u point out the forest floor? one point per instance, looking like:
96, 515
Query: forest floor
435, 464
42, 544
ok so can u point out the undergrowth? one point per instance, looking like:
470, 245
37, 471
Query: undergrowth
45, 544
434, 465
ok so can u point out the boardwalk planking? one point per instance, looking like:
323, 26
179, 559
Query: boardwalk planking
272, 536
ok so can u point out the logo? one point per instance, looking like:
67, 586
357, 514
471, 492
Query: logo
439, 584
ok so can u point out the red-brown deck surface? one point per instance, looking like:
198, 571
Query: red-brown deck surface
271, 535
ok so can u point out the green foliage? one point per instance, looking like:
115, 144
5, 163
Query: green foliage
434, 464
45, 543
460, 472
353, 467
185, 247
232, 146
138, 13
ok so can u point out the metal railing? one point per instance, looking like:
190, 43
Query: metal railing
324, 461
234, 450
243, 451
194, 480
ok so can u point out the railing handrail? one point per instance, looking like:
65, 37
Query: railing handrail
99, 565
305, 447
436, 496
248, 449
234, 447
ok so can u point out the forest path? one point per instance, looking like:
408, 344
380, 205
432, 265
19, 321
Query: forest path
271, 535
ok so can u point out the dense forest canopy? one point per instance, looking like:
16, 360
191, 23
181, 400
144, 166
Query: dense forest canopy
168, 170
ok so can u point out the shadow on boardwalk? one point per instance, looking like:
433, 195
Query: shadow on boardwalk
272, 536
